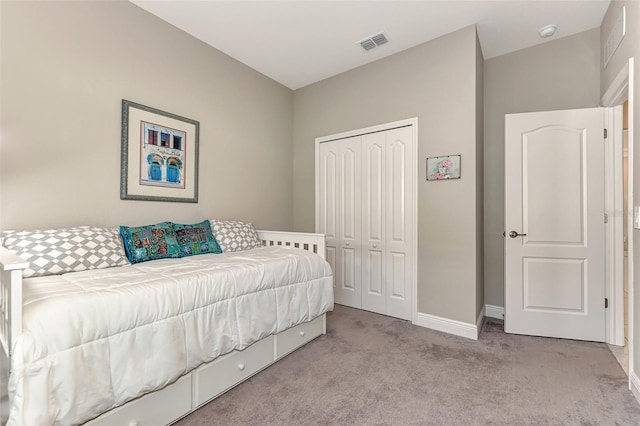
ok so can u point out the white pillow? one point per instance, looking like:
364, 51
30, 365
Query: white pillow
234, 235
57, 251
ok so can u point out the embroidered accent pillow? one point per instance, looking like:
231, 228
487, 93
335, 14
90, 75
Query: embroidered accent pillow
196, 239
235, 236
150, 242
57, 251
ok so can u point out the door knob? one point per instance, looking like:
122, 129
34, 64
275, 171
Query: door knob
347, 243
514, 234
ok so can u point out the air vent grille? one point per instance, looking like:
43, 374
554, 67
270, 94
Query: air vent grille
379, 39
368, 44
374, 41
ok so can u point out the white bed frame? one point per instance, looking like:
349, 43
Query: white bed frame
200, 385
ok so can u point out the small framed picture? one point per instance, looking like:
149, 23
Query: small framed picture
159, 155
443, 168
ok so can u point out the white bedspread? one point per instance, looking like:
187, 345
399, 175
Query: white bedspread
94, 340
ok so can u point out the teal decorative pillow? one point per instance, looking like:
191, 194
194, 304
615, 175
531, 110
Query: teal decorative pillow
150, 242
196, 238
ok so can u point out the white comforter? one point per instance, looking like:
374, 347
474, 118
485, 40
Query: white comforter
94, 340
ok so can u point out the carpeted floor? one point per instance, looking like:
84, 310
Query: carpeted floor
373, 369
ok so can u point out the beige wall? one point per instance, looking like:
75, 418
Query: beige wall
560, 74
629, 47
66, 66
479, 178
435, 82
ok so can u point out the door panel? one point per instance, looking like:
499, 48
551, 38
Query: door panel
400, 186
349, 172
328, 209
374, 192
554, 193
349, 269
373, 222
339, 180
372, 275
557, 190
349, 175
554, 284
331, 258
397, 184
398, 276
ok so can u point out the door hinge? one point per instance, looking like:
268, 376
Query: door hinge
606, 218
606, 303
605, 133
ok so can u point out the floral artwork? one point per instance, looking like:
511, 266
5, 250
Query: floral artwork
443, 168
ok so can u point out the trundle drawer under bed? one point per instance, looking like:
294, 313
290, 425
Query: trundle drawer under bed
210, 380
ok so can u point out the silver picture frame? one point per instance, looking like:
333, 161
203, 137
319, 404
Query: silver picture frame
159, 155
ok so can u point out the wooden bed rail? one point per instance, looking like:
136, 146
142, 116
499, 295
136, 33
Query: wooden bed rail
312, 242
11, 267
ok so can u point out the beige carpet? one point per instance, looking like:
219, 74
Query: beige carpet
372, 369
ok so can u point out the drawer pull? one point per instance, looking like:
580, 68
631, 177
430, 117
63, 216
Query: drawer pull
133, 423
241, 367
302, 334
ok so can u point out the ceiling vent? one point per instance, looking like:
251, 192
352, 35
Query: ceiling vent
374, 41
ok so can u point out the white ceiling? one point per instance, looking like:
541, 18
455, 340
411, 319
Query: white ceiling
301, 42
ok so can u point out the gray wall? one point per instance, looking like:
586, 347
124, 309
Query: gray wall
65, 68
629, 47
479, 178
435, 82
560, 74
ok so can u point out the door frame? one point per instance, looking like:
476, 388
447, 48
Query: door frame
614, 230
413, 122
621, 89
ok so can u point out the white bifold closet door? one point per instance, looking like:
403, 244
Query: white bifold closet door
366, 198
339, 212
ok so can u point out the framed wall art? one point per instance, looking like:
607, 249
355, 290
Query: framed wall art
443, 168
159, 157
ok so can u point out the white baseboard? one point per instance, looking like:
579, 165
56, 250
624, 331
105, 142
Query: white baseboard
634, 384
459, 328
493, 311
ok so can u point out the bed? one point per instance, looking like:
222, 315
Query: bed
81, 341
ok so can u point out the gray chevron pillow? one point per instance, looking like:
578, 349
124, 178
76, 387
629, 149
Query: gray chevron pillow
57, 251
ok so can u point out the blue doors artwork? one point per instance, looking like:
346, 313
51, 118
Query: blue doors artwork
161, 169
173, 173
163, 156
155, 171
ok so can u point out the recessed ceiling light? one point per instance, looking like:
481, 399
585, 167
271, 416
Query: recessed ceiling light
547, 31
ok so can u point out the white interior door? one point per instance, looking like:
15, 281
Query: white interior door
554, 219
339, 215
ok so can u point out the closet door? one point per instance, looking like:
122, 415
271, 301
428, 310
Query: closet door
340, 216
373, 222
400, 204
327, 208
